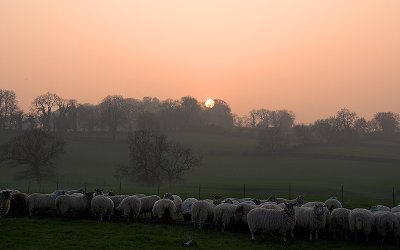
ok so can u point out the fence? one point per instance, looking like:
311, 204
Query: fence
347, 196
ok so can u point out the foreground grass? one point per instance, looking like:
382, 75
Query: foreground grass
52, 233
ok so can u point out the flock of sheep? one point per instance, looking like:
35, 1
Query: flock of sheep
274, 215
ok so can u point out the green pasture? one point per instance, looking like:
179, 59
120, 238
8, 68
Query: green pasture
368, 171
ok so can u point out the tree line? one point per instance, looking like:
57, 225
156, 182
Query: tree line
276, 130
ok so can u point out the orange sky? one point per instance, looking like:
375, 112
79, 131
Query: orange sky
312, 57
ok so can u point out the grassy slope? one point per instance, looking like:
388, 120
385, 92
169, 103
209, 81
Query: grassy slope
229, 162
45, 233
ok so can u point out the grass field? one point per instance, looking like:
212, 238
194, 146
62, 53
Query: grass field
52, 233
368, 171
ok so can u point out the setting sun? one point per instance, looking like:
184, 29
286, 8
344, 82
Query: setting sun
209, 103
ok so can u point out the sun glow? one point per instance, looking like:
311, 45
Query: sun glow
209, 103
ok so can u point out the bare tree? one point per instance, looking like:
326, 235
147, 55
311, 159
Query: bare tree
178, 160
87, 117
387, 122
153, 158
8, 108
64, 108
36, 152
146, 152
44, 106
112, 113
274, 128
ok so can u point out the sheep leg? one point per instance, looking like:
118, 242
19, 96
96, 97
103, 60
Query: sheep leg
292, 234
284, 237
311, 235
316, 234
127, 219
101, 217
223, 227
252, 235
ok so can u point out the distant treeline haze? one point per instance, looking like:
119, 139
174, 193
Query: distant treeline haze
276, 129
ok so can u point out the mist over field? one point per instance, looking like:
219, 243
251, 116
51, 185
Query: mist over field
213, 124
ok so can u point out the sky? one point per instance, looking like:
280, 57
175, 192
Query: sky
312, 57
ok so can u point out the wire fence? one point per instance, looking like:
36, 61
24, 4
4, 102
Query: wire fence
349, 196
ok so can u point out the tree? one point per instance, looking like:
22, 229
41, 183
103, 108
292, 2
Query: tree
361, 126
220, 115
302, 133
87, 116
36, 152
344, 125
112, 113
324, 130
8, 108
43, 106
153, 159
178, 160
145, 151
274, 128
191, 112
65, 108
387, 122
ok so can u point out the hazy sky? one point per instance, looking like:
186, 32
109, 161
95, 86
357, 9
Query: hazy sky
312, 57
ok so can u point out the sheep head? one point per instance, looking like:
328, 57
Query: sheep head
319, 209
289, 208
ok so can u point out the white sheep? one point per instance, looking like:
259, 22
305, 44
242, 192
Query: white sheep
102, 206
117, 199
312, 219
326, 210
361, 220
176, 199
231, 201
98, 192
242, 210
269, 220
71, 205
224, 214
340, 221
395, 209
43, 202
271, 206
5, 202
130, 206
379, 208
187, 208
78, 191
298, 201
249, 201
140, 195
164, 209
203, 211
332, 203
386, 223
147, 204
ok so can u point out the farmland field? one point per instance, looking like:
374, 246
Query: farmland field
52, 233
368, 171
